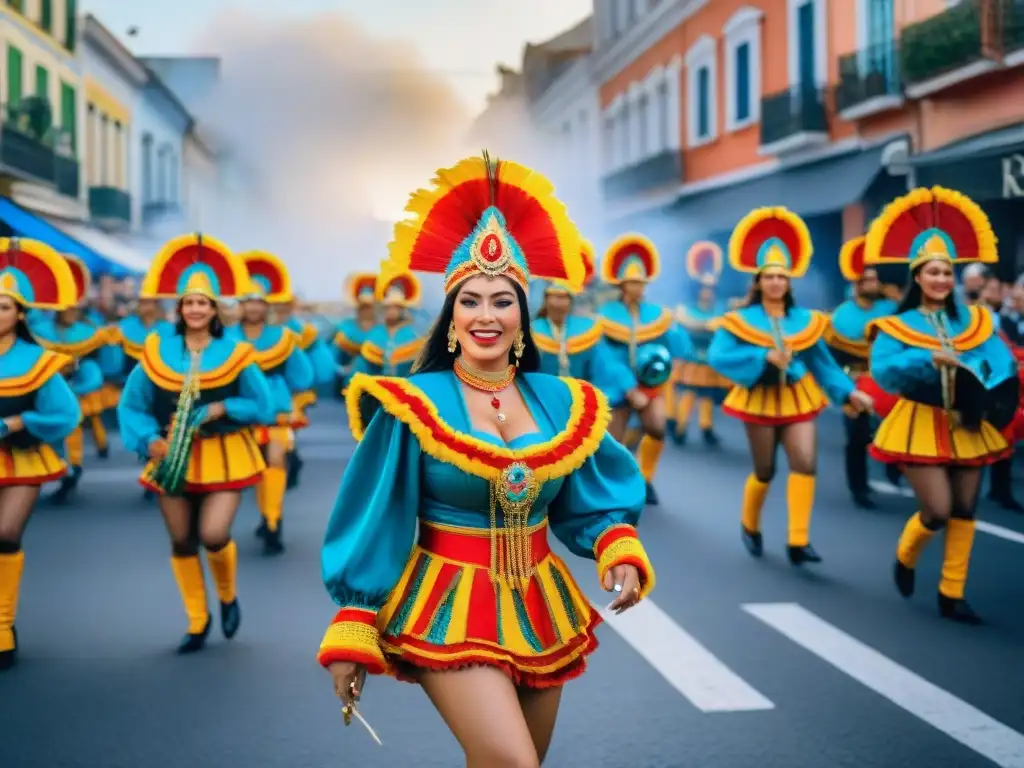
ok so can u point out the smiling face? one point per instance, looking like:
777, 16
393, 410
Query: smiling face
936, 280
197, 311
486, 316
633, 290
9, 315
774, 284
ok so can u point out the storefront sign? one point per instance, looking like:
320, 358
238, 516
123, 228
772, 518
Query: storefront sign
1013, 176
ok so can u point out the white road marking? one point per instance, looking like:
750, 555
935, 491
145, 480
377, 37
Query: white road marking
879, 486
685, 664
940, 709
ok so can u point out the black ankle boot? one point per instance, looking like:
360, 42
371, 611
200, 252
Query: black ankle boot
191, 643
230, 618
9, 658
958, 610
272, 544
710, 438
753, 541
261, 529
67, 486
904, 578
652, 496
801, 555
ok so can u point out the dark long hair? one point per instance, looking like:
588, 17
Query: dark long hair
21, 330
216, 326
435, 355
913, 296
757, 296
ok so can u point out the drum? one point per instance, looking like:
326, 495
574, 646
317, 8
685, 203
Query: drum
653, 365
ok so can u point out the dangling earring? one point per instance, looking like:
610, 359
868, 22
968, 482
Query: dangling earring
453, 340
518, 346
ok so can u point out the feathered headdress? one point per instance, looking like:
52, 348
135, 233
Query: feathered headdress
271, 281
561, 286
35, 275
630, 257
851, 259
361, 288
484, 217
195, 264
400, 289
929, 224
771, 238
704, 262
83, 277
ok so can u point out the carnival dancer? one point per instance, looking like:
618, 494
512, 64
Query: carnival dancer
68, 334
361, 289
37, 407
482, 453
848, 343
698, 383
132, 331
189, 407
955, 377
391, 347
288, 371
646, 338
775, 353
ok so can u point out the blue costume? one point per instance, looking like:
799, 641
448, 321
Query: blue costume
351, 332
392, 350
481, 585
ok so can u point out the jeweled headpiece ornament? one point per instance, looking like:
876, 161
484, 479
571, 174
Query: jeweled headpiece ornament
195, 264
771, 238
486, 217
271, 281
361, 288
704, 262
931, 224
562, 286
630, 257
35, 275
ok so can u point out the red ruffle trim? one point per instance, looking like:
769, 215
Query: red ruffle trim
902, 458
234, 485
11, 482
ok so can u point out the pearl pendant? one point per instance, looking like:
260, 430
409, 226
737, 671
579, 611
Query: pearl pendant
501, 417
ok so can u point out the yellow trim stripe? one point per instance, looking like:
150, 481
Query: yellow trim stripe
48, 365
643, 334
979, 330
803, 339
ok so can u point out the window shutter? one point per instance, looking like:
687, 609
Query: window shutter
742, 82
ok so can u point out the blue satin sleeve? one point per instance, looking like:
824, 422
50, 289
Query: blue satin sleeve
827, 373
680, 345
372, 527
56, 414
323, 363
298, 371
255, 401
111, 361
736, 360
87, 379
362, 365
607, 490
895, 367
610, 374
135, 413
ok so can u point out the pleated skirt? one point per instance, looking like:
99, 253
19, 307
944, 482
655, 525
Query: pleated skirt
109, 396
447, 612
222, 462
914, 433
30, 466
776, 405
703, 379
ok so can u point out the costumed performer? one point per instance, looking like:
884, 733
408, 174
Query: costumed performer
646, 339
482, 453
37, 407
846, 338
698, 384
390, 348
360, 289
775, 353
288, 372
189, 407
955, 377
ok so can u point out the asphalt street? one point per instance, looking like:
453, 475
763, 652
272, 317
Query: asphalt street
732, 662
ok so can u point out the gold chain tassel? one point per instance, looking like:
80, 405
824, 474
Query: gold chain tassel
512, 560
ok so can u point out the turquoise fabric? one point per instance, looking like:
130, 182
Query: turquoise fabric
387, 340
850, 319
293, 376
56, 413
319, 355
676, 340
598, 364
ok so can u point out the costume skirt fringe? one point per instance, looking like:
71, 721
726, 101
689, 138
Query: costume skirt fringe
776, 405
914, 433
448, 613
222, 462
30, 466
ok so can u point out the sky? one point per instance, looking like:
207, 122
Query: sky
461, 40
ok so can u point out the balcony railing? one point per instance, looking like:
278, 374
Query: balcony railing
956, 38
27, 155
789, 113
110, 206
155, 210
66, 175
31, 147
663, 168
867, 75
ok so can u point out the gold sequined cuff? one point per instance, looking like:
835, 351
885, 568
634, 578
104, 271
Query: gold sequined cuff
353, 637
619, 545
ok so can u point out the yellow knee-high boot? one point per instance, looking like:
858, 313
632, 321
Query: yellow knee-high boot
754, 494
800, 499
274, 482
706, 414
957, 557
188, 572
11, 566
684, 409
913, 540
224, 567
648, 454
74, 447
99, 432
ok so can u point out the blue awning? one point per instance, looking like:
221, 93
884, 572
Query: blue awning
29, 225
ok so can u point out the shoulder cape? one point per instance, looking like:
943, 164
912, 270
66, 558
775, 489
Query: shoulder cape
807, 337
47, 365
642, 332
165, 377
574, 345
979, 330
